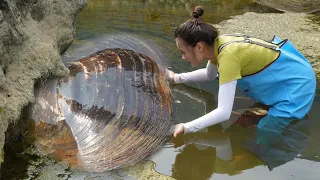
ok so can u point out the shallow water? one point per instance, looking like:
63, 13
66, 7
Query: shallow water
214, 153
155, 20
205, 154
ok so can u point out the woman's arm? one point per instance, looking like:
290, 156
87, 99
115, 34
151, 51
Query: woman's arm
205, 74
220, 114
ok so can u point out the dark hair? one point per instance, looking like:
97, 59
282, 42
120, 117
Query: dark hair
195, 30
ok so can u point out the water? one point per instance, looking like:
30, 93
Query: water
213, 153
155, 20
203, 158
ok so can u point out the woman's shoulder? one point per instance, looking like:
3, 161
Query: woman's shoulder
224, 39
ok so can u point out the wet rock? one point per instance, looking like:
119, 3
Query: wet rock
33, 34
306, 6
54, 171
142, 171
300, 28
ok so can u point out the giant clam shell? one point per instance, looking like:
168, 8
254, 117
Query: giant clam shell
114, 109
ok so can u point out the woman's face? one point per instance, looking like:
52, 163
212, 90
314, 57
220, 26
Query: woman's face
191, 54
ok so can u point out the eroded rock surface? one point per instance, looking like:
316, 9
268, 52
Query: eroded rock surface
306, 6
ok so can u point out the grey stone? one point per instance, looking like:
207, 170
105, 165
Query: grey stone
306, 6
33, 33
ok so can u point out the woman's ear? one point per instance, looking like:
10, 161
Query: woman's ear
200, 46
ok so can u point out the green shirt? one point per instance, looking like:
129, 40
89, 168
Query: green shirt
238, 60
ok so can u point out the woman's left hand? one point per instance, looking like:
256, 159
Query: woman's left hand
179, 129
170, 75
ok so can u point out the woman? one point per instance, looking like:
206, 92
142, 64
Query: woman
272, 73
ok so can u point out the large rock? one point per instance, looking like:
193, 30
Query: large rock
302, 29
306, 6
33, 34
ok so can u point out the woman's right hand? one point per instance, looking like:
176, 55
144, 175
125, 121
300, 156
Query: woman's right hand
178, 129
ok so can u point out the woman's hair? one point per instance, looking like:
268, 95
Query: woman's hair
195, 30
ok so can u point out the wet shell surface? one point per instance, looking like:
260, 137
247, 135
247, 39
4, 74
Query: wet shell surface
114, 109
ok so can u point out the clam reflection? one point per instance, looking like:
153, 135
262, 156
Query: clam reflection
114, 109
239, 144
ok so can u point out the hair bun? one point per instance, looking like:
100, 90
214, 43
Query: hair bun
197, 12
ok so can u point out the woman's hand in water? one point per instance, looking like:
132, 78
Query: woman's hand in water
178, 129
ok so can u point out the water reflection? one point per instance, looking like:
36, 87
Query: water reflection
230, 152
81, 48
154, 20
238, 145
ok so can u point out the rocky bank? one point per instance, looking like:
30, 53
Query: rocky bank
33, 34
305, 6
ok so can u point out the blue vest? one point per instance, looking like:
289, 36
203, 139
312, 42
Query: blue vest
288, 84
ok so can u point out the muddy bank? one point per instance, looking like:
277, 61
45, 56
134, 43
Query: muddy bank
302, 29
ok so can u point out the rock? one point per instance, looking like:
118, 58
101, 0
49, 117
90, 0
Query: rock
33, 34
1, 17
145, 171
54, 171
2, 77
300, 28
306, 6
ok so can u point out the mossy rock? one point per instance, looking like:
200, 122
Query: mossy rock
1, 156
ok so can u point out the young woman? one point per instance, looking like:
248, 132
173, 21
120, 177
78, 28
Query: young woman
273, 73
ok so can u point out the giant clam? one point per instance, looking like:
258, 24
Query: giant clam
114, 109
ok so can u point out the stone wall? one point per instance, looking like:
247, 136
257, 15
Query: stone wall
33, 34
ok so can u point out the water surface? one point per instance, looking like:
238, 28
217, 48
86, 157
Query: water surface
214, 153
